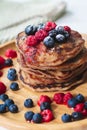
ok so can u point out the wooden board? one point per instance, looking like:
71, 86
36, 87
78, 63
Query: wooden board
17, 121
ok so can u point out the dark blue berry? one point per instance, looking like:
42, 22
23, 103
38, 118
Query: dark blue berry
85, 105
29, 115
30, 29
13, 108
52, 33
37, 118
77, 116
3, 97
12, 70
28, 103
45, 105
14, 86
49, 42
60, 38
8, 102
3, 108
60, 29
80, 98
12, 74
72, 102
66, 118
40, 26
8, 62
66, 34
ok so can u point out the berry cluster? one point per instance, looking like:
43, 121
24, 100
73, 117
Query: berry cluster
49, 33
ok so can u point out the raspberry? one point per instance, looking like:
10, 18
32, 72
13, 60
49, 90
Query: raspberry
79, 107
49, 26
2, 88
10, 53
84, 112
31, 41
1, 73
58, 98
41, 34
43, 98
66, 97
2, 61
67, 28
47, 115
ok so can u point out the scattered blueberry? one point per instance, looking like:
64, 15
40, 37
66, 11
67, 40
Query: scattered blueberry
13, 108
66, 118
12, 74
29, 115
85, 105
14, 86
77, 116
3, 108
8, 102
52, 33
45, 105
37, 118
80, 98
60, 29
30, 29
28, 103
60, 38
8, 62
3, 97
40, 26
72, 102
49, 42
12, 70
66, 34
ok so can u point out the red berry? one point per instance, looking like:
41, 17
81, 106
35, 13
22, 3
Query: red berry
47, 115
58, 98
2, 88
2, 61
49, 26
41, 34
66, 97
10, 53
1, 73
84, 112
43, 98
67, 28
79, 107
31, 41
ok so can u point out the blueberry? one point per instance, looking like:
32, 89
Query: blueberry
77, 116
28, 103
12, 74
72, 102
37, 118
30, 29
60, 29
60, 38
40, 26
45, 105
14, 86
66, 34
49, 42
29, 115
13, 108
12, 70
52, 33
3, 108
85, 105
8, 62
3, 97
80, 98
66, 118
8, 102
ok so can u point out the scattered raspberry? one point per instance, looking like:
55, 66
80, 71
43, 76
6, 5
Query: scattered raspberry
47, 115
84, 112
49, 26
43, 98
67, 28
2, 61
79, 107
10, 53
31, 41
2, 88
66, 97
1, 73
58, 98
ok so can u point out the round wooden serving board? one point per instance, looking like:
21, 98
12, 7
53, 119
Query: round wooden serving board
17, 121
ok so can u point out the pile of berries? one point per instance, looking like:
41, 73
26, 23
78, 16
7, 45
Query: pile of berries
49, 33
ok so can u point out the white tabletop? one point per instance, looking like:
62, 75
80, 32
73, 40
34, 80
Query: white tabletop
76, 15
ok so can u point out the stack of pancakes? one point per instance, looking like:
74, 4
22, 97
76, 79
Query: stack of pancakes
58, 68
